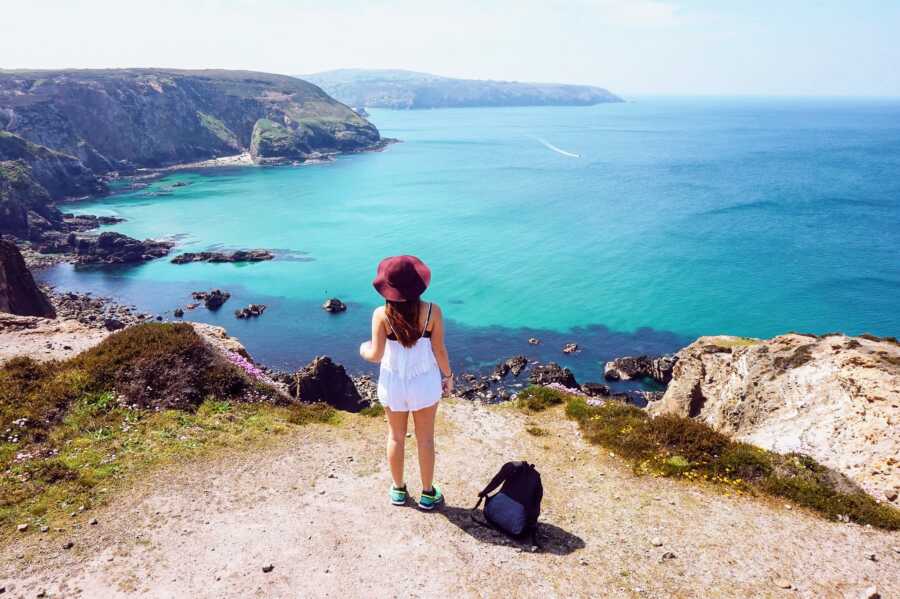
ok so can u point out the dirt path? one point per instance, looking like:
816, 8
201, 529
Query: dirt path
315, 508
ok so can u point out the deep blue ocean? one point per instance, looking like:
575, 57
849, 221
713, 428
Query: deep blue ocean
627, 228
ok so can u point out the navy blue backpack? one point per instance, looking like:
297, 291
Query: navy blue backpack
514, 510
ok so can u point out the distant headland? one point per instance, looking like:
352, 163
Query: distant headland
398, 89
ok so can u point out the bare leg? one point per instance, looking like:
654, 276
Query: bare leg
396, 444
424, 420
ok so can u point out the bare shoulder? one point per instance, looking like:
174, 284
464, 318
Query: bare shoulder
436, 310
378, 314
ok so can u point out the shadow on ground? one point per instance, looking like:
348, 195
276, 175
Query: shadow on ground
550, 538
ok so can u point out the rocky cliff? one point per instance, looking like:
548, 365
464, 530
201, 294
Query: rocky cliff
18, 292
835, 398
408, 89
119, 119
60, 174
26, 209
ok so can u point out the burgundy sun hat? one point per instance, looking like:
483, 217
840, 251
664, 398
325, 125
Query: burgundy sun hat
401, 278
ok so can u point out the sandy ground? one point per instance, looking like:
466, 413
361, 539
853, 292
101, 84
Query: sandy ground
315, 508
44, 338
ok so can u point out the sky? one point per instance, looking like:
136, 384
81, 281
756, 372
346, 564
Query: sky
632, 47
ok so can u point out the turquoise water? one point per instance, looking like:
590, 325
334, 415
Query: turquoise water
625, 227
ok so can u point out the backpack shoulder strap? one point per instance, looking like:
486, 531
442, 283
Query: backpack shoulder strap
498, 479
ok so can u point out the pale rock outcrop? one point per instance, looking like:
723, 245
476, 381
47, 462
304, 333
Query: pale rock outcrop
835, 398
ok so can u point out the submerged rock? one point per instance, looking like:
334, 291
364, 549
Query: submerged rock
659, 369
238, 256
324, 381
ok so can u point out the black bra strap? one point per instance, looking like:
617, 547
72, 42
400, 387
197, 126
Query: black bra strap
427, 319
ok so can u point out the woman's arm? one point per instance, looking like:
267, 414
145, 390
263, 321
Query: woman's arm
374, 350
439, 348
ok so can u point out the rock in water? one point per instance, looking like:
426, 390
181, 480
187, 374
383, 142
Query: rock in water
323, 380
18, 292
627, 368
213, 300
570, 348
333, 305
238, 256
251, 311
834, 398
552, 372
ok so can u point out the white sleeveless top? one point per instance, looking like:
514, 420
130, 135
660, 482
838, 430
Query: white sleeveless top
406, 363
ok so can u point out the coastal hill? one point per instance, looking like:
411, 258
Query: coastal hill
400, 89
113, 120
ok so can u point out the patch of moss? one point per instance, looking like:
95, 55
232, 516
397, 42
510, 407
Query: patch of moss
685, 448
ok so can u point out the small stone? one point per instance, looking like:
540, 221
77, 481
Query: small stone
668, 555
68, 544
45, 529
268, 568
891, 495
583, 562
570, 348
534, 341
656, 542
22, 527
93, 522
781, 583
872, 557
870, 593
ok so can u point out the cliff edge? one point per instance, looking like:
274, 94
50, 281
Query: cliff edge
833, 397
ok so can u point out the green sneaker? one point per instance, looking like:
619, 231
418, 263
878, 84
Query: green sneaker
429, 501
398, 496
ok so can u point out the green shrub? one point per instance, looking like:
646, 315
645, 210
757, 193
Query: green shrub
373, 410
537, 399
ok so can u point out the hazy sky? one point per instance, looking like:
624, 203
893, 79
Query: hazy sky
825, 47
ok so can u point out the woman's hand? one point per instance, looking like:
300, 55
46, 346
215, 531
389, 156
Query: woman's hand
447, 384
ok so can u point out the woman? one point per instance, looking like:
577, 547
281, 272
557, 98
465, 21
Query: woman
408, 341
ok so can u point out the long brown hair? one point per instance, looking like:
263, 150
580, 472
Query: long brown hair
404, 320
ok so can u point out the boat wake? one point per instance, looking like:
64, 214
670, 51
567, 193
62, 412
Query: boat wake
550, 146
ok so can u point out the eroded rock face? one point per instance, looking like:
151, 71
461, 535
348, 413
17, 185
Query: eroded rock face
835, 398
623, 369
324, 381
60, 174
18, 292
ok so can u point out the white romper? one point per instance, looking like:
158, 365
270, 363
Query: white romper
409, 378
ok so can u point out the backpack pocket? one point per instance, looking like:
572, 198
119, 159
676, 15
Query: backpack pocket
506, 513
